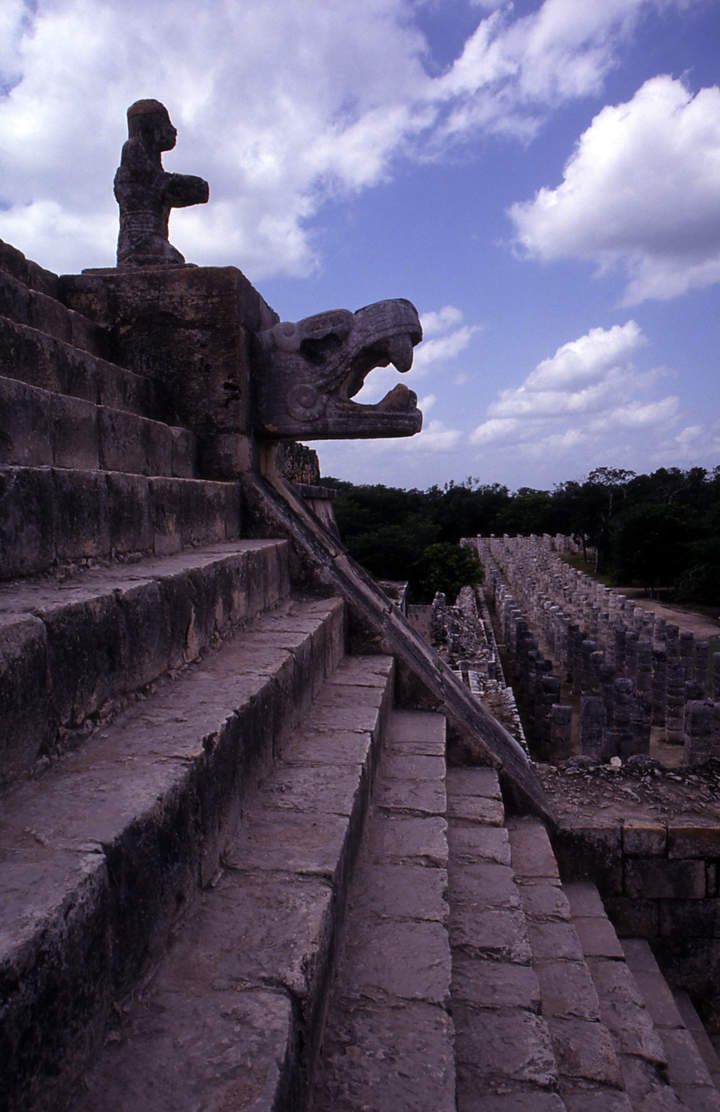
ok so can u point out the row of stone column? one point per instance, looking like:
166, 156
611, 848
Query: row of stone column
631, 669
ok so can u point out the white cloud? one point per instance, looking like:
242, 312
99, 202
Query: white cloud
587, 395
444, 348
588, 358
281, 106
435, 437
640, 191
440, 320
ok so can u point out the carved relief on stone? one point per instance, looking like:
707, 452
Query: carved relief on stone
146, 193
307, 373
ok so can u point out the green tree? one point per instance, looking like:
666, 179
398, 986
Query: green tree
443, 567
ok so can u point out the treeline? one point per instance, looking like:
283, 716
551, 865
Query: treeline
656, 531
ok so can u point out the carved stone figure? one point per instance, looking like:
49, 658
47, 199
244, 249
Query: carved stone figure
307, 372
146, 193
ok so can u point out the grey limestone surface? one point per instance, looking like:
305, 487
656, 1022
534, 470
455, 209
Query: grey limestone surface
388, 1041
261, 933
119, 834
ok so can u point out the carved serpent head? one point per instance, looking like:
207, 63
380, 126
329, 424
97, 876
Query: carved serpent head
307, 373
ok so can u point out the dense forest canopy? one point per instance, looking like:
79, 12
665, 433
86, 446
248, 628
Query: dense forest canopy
657, 531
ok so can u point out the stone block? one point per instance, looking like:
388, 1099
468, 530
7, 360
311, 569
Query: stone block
129, 513
496, 1048
187, 512
634, 918
399, 838
183, 451
585, 1051
554, 939
690, 919
644, 838
74, 432
489, 983
591, 853
28, 508
476, 809
86, 656
82, 526
71, 371
532, 854
118, 388
584, 899
494, 932
25, 713
14, 294
598, 937
568, 990
147, 635
658, 878
193, 340
49, 315
693, 841
544, 899
474, 782
400, 891
376, 961
133, 444
25, 438
421, 1038
472, 843
486, 884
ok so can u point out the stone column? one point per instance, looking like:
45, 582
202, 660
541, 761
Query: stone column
701, 731
561, 744
592, 727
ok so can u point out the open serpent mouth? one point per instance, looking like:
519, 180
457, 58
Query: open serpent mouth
394, 350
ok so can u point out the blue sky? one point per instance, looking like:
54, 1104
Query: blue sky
542, 179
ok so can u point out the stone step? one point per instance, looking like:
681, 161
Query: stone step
232, 1015
588, 1066
71, 651
29, 295
695, 1025
60, 367
642, 1056
51, 517
42, 429
388, 1039
688, 1073
104, 852
505, 1060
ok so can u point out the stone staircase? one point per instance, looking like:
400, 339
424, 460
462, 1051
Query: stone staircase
237, 871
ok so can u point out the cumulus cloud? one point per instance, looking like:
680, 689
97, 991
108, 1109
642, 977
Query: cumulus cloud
640, 192
589, 394
281, 106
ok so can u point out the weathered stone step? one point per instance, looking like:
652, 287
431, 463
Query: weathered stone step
388, 1039
42, 429
29, 295
688, 1073
696, 1027
70, 650
588, 1066
60, 367
103, 853
642, 1056
51, 517
231, 1018
504, 1053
